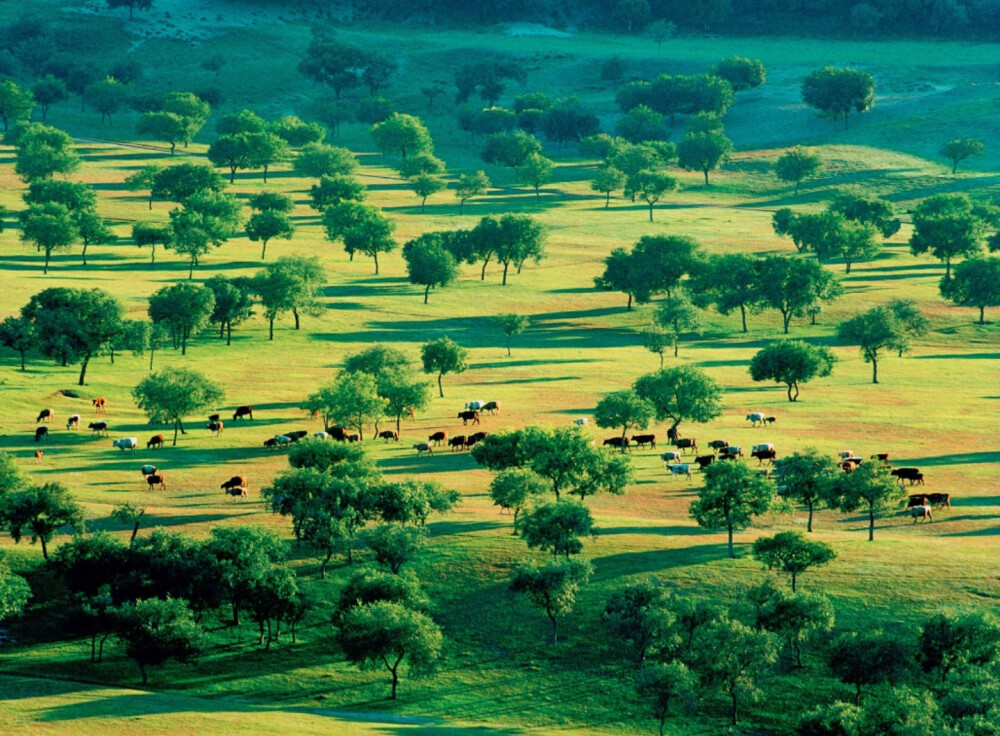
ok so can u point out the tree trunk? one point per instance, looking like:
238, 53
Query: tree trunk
743, 316
650, 211
661, 360
706, 184
461, 202
135, 530
508, 352
422, 203
295, 314
85, 254
982, 321
177, 424
607, 201
229, 333
232, 174
676, 347
83, 369
482, 274
440, 390
947, 269
735, 714
809, 526
100, 647
23, 368
786, 318
375, 256
152, 352
184, 342
874, 371
628, 307
797, 648
45, 268
848, 264
732, 555
871, 523
555, 628
427, 292
794, 575
265, 174
506, 264
270, 334
191, 269
263, 249
797, 181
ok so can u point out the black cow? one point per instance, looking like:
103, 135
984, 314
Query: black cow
41, 433
644, 439
684, 444
469, 416
99, 427
243, 411
457, 442
621, 443
704, 461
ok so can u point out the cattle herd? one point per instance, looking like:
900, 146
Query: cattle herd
919, 506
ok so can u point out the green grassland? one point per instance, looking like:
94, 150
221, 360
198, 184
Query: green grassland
936, 408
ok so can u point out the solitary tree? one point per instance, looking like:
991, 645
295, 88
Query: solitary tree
471, 185
510, 324
552, 587
742, 73
791, 362
402, 134
656, 340
607, 179
429, 263
535, 171
729, 282
703, 151
624, 409
794, 617
793, 285
49, 227
106, 96
18, 333
38, 512
394, 544
666, 684
874, 332
734, 658
42, 151
267, 225
47, 91
443, 356
640, 615
956, 150
836, 92
205, 221
556, 527
797, 164
791, 552
947, 226
870, 487
807, 476
733, 494
424, 185
681, 394
290, 284
384, 634
169, 396
976, 283
154, 631
650, 186
351, 400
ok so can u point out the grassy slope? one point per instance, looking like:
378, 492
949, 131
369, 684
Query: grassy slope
932, 410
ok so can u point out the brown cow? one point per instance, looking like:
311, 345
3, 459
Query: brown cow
159, 480
493, 407
38, 456
243, 411
237, 481
45, 415
918, 499
469, 416
100, 404
438, 437
477, 437
216, 428
939, 500
389, 434
457, 442
155, 442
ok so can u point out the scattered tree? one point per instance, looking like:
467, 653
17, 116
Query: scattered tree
870, 487
947, 226
510, 324
429, 263
552, 587
874, 331
351, 400
835, 92
469, 186
168, 397
791, 552
807, 476
956, 150
154, 631
38, 512
793, 285
608, 179
50, 227
401, 134
703, 151
742, 73
681, 394
184, 308
976, 283
556, 527
443, 356
868, 658
797, 165
15, 103
733, 494
791, 362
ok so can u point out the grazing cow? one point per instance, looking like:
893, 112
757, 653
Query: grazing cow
215, 427
847, 467
45, 415
475, 405
271, 443
918, 499
243, 411
155, 441
41, 433
756, 417
156, 479
732, 452
457, 442
438, 437
844, 454
917, 478
681, 469
939, 500
716, 445
282, 440
38, 456
354, 437
855, 461
621, 443
240, 492
669, 457
126, 443
214, 418
389, 434
684, 444
477, 437
237, 481
645, 439
882, 457
704, 461
769, 421
148, 470
100, 404
493, 407
581, 421
422, 447
321, 435
338, 434
99, 428
909, 474
469, 416
920, 513
73, 422
298, 434
764, 451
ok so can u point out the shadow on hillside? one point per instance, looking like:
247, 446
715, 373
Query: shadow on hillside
956, 459
154, 521
611, 567
525, 363
662, 531
446, 528
966, 356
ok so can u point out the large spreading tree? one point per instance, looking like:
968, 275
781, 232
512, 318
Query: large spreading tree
169, 396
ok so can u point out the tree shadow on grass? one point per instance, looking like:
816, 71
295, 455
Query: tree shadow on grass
956, 459
966, 356
525, 363
611, 567
446, 528
154, 521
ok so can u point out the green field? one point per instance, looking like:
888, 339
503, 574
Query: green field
936, 407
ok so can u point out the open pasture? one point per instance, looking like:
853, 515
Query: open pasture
936, 407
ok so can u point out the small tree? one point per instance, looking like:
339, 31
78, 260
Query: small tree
836, 92
681, 394
424, 185
797, 165
18, 333
868, 658
667, 683
443, 356
394, 545
267, 225
402, 134
607, 179
624, 409
742, 73
131, 5
317, 160
510, 324
793, 285
233, 304
129, 515
154, 631
950, 643
169, 396
535, 171
49, 227
471, 185
384, 634
184, 308
15, 103
429, 263
976, 283
948, 226
14, 591
640, 615
38, 512
793, 617
914, 323
791, 362
650, 186
703, 151
292, 283
552, 587
556, 527
513, 488
351, 400
807, 476
955, 150
791, 552
656, 340
677, 315
47, 91
874, 331
42, 151
870, 487
106, 96
733, 494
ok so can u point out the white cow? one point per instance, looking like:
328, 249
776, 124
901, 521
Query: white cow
282, 440
321, 435
581, 421
73, 422
920, 513
762, 447
126, 443
681, 469
844, 454
475, 405
756, 416
669, 457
